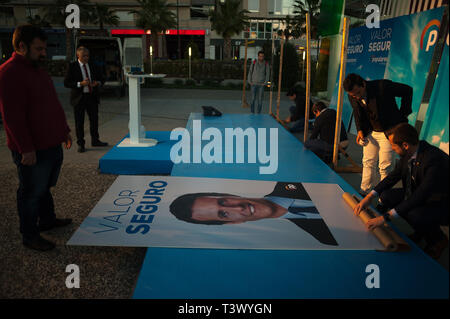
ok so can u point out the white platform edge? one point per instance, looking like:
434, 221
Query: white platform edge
143, 142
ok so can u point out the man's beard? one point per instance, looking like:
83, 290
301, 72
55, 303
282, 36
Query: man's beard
40, 62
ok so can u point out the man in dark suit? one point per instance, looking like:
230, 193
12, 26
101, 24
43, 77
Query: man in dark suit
297, 111
376, 111
321, 140
423, 201
289, 201
84, 80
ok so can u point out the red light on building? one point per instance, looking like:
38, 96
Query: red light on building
168, 32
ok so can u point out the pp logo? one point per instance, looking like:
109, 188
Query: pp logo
373, 19
73, 19
73, 280
291, 187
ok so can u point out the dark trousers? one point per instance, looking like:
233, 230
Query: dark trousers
34, 200
298, 125
88, 104
425, 220
320, 148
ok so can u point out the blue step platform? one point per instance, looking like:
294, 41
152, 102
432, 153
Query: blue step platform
173, 273
140, 160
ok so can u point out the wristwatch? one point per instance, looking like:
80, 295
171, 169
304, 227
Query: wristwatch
387, 217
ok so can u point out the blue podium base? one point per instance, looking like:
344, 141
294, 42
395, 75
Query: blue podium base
140, 160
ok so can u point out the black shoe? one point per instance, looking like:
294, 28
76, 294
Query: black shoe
416, 237
435, 250
99, 143
81, 149
57, 223
39, 243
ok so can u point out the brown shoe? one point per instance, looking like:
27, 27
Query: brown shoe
435, 250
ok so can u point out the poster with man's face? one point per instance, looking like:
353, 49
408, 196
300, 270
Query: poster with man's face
185, 212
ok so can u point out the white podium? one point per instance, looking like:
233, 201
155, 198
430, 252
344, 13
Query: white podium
137, 138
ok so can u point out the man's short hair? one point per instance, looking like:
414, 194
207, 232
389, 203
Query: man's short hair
82, 48
318, 106
351, 80
261, 52
181, 208
26, 33
403, 133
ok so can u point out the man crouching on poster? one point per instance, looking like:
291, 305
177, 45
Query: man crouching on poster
423, 201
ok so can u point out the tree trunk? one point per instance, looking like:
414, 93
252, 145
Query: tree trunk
69, 49
227, 48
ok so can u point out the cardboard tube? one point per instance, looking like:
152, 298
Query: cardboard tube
380, 232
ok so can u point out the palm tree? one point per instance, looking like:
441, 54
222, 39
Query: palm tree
38, 21
302, 7
155, 16
56, 14
228, 19
101, 15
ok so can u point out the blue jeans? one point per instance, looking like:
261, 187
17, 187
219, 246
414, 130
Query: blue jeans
34, 200
257, 92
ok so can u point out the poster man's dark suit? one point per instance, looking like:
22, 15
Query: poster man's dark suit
84, 101
424, 199
316, 227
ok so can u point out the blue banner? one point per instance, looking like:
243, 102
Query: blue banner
400, 50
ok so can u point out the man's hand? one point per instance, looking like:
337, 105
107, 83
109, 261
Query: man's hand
86, 82
359, 137
95, 83
68, 142
28, 159
362, 204
375, 222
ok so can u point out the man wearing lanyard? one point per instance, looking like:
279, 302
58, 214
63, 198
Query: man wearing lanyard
83, 80
376, 111
423, 201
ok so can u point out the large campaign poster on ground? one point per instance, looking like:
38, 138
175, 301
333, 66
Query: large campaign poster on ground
400, 50
183, 212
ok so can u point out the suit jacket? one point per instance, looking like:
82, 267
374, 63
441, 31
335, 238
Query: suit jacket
316, 227
325, 126
74, 75
300, 105
389, 115
430, 176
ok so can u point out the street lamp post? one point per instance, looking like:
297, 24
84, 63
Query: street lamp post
190, 53
303, 65
151, 60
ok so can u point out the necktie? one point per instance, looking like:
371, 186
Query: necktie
299, 210
408, 191
87, 75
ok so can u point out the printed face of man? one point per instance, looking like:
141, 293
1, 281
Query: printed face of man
231, 209
37, 51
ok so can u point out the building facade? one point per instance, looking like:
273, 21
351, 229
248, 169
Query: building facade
193, 25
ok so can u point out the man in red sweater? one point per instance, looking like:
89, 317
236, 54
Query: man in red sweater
35, 126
